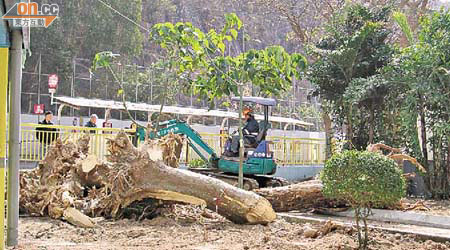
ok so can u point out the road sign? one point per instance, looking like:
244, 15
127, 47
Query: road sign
52, 81
39, 109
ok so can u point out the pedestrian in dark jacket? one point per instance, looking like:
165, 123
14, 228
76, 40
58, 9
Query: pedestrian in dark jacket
44, 134
92, 123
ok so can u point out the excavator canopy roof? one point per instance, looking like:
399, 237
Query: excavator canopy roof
257, 100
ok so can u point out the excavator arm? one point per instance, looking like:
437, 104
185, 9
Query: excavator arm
194, 139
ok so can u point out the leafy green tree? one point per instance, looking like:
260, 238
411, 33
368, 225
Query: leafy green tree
200, 58
271, 70
350, 56
364, 180
421, 74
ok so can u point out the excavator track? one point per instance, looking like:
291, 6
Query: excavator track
277, 182
249, 183
255, 182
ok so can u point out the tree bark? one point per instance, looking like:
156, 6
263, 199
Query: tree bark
305, 195
423, 130
446, 170
350, 127
328, 133
371, 124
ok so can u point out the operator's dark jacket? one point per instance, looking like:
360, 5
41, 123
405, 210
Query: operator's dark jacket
46, 135
251, 126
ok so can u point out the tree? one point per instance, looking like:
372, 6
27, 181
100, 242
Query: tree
306, 18
350, 56
308, 21
421, 73
86, 28
199, 59
364, 180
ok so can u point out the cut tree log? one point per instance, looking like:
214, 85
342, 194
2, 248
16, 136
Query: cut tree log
69, 180
308, 195
300, 196
144, 178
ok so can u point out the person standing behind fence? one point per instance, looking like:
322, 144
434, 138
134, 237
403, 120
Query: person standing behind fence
46, 135
74, 123
92, 123
94, 139
135, 135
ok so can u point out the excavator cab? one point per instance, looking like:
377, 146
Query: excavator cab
258, 157
264, 125
259, 164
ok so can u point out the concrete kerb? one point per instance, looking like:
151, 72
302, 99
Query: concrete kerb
413, 218
421, 232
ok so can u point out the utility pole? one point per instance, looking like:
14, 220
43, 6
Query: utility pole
14, 138
151, 87
90, 90
192, 95
135, 112
39, 83
72, 92
107, 79
151, 92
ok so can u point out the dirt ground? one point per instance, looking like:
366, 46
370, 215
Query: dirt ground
182, 230
434, 207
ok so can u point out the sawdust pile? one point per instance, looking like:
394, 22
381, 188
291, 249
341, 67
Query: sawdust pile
71, 184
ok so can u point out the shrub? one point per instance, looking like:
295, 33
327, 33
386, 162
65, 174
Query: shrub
364, 180
197, 163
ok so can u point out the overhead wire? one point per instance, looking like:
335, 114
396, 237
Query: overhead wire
124, 16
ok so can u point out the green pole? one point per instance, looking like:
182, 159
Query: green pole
3, 120
241, 136
14, 139
241, 142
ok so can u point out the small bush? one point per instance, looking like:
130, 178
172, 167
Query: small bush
198, 163
364, 180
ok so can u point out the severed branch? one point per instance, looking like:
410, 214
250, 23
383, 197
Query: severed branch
395, 154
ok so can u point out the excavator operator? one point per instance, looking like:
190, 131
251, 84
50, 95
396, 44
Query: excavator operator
250, 132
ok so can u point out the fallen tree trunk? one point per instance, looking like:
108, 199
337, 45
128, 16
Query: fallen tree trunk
304, 195
69, 178
147, 178
308, 195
